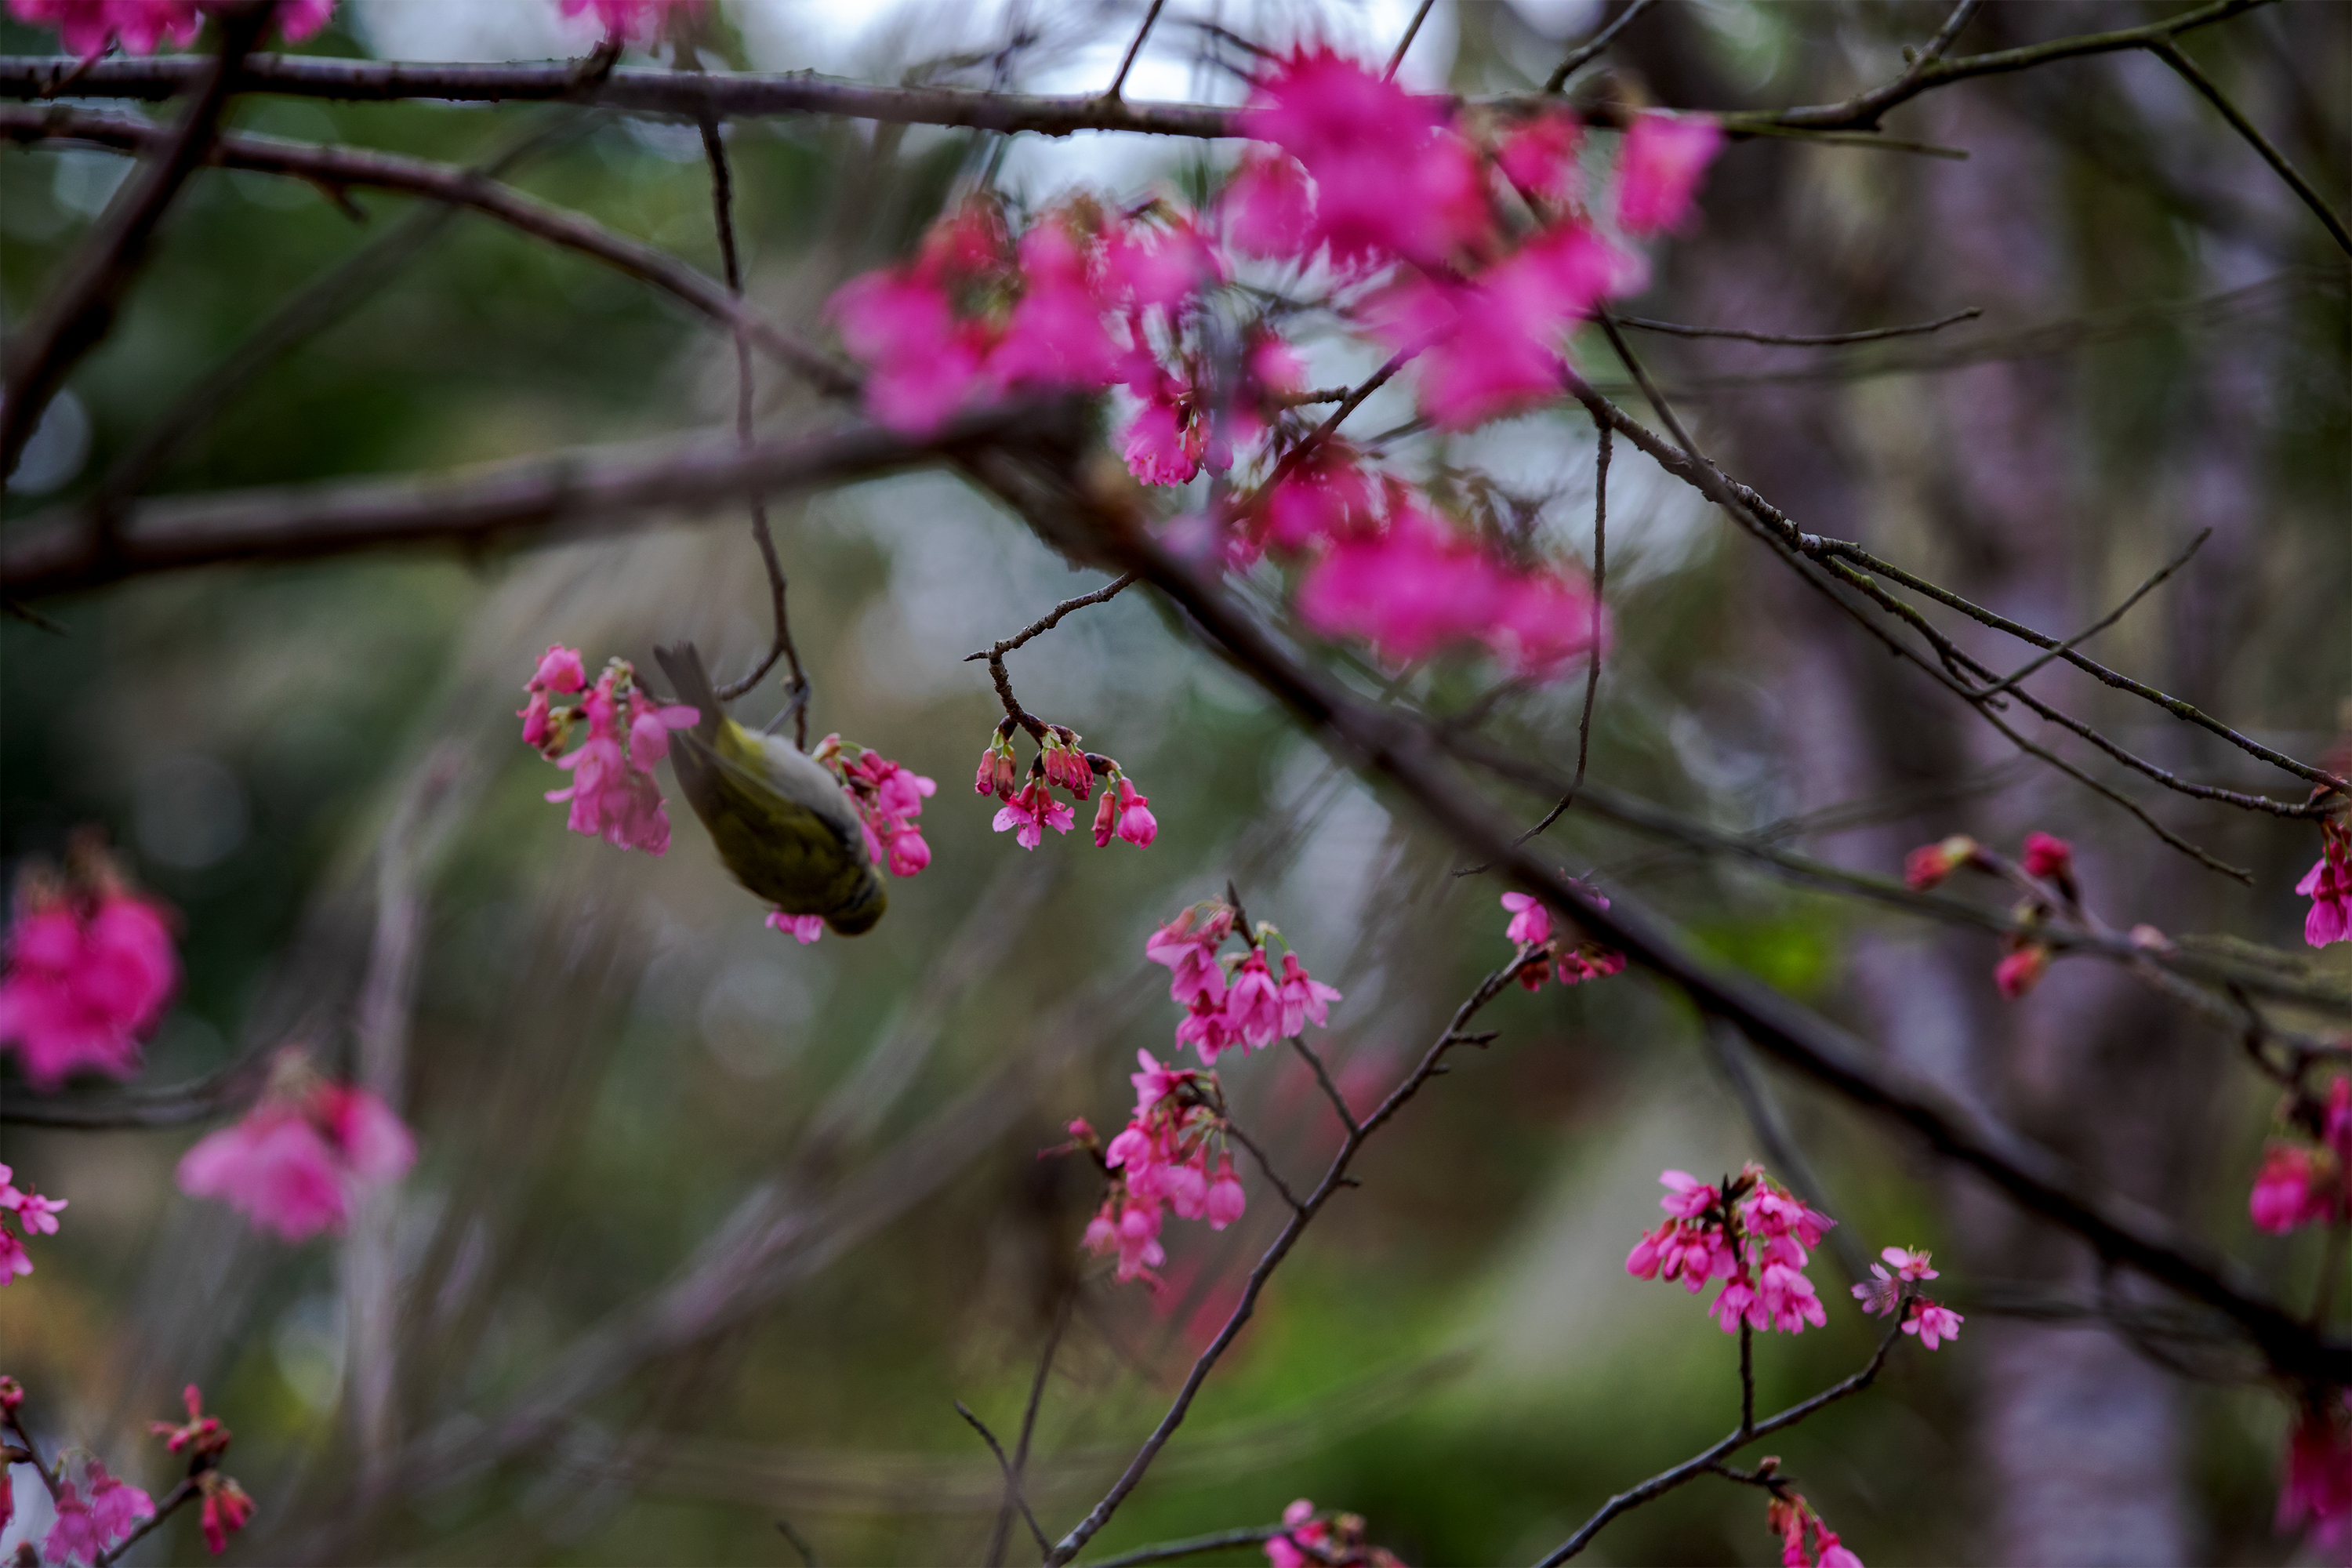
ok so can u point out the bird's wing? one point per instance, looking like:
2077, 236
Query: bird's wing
761, 791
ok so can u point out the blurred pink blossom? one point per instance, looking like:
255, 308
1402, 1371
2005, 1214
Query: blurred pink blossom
302, 1157
1538, 156
87, 978
2328, 886
90, 1521
1659, 169
636, 21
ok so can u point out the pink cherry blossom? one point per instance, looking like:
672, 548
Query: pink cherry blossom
637, 21
1530, 921
226, 1509
1410, 589
94, 1518
87, 978
803, 929
1751, 1235
1207, 1029
1188, 946
1538, 156
1907, 1264
86, 26
2021, 971
1164, 444
1226, 1200
1269, 206
2318, 1489
613, 794
1253, 1002
1659, 169
1929, 864
1304, 999
1125, 813
1165, 268
888, 797
1323, 495
1933, 1323
302, 1157
1055, 337
2281, 1199
1028, 814
2047, 857
925, 364
2328, 886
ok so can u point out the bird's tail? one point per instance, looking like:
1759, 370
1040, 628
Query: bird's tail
682, 662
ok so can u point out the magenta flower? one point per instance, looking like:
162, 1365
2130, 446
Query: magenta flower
1027, 815
302, 1157
2328, 886
1226, 1200
1160, 1161
1539, 156
35, 1214
2021, 970
1125, 813
1165, 442
2318, 1489
925, 364
1410, 589
1165, 268
1055, 337
86, 26
1751, 1235
635, 21
1929, 864
1542, 623
1304, 999
1324, 495
1269, 206
1188, 946
1659, 169
93, 1519
2048, 857
87, 978
1207, 1029
803, 929
1253, 1002
1932, 1323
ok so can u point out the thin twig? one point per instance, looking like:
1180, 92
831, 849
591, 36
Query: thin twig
1233, 1131
1999, 687
1599, 585
1192, 1546
1700, 1464
92, 283
1331, 1089
2170, 53
796, 690
1053, 618
998, 1536
1012, 1481
10, 1421
1589, 50
1802, 340
799, 1543
1412, 31
1134, 48
1334, 1177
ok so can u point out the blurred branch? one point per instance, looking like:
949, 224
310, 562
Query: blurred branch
2170, 53
1750, 1431
596, 490
1589, 50
1192, 1546
1002, 1531
93, 280
337, 168
1798, 340
1012, 1480
1126, 62
1412, 31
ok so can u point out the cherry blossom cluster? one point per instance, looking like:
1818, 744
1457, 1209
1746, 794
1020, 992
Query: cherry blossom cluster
97, 1511
2044, 870
2328, 886
1806, 1540
35, 1214
888, 796
2318, 1491
1234, 1000
1455, 239
300, 1160
1159, 1161
1748, 1232
1026, 812
2308, 1183
1891, 1286
1542, 955
87, 27
90, 969
1307, 1542
612, 793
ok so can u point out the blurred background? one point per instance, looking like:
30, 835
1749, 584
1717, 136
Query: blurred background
709, 1229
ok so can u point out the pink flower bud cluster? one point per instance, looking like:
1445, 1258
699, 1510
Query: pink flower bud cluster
300, 1160
1885, 1291
87, 27
1463, 246
1574, 963
1231, 1000
90, 969
2328, 886
2044, 870
2308, 1183
37, 1216
95, 1516
1160, 1161
1750, 1233
612, 793
888, 797
2316, 1493
1307, 1542
1125, 812
205, 1438
1806, 1542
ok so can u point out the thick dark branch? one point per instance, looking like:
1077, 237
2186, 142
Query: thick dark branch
1700, 1464
340, 167
1804, 340
601, 489
92, 281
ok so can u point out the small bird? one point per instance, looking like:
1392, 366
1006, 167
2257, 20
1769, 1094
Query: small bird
783, 825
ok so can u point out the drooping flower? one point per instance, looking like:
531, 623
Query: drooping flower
1929, 864
2021, 971
1028, 814
1159, 1161
90, 968
203, 1436
1164, 444
888, 797
304, 1156
1931, 1321
1253, 1002
1659, 169
1188, 945
227, 1507
1125, 813
2047, 856
612, 794
94, 1519
1324, 495
1304, 999
803, 929
37, 1214
1806, 1542
1530, 921
2328, 886
1752, 1234
1538, 156
2303, 1183
2316, 1490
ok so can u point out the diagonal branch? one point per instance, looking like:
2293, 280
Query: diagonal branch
93, 280
2103, 623
1584, 54
2170, 53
